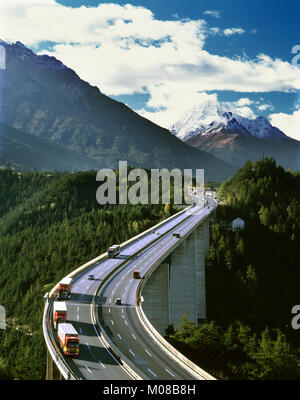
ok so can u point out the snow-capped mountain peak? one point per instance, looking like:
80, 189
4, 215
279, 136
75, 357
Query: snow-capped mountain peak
212, 119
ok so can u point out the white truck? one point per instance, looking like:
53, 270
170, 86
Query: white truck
64, 288
59, 312
113, 250
68, 339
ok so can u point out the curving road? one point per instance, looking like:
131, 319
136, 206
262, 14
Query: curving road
122, 328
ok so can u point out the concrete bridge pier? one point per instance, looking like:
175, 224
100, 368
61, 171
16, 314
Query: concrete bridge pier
177, 288
49, 367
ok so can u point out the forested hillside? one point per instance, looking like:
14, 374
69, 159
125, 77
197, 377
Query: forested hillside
78, 126
50, 224
252, 280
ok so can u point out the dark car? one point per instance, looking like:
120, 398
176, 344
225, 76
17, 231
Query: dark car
91, 277
177, 235
118, 301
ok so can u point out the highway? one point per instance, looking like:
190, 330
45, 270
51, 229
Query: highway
88, 307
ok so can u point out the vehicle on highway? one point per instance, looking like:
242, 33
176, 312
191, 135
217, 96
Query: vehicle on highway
113, 251
177, 235
91, 277
118, 301
64, 288
59, 312
68, 339
136, 274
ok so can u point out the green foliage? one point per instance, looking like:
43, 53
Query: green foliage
236, 352
252, 277
50, 224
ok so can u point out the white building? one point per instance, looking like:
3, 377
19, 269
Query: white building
238, 223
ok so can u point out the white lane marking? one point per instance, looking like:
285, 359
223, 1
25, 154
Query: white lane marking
78, 317
133, 336
112, 322
88, 369
148, 353
101, 364
110, 353
109, 310
152, 372
132, 352
170, 372
122, 311
88, 345
119, 336
126, 322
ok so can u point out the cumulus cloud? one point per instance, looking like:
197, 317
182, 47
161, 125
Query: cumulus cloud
125, 49
212, 13
178, 104
264, 107
244, 101
241, 107
288, 123
233, 31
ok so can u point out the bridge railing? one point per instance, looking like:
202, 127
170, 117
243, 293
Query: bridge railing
196, 371
49, 339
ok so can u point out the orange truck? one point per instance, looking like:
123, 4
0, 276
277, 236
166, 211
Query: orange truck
136, 274
68, 339
59, 312
64, 288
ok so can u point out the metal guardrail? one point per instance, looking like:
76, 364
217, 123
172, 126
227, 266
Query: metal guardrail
53, 348
196, 371
50, 340
187, 364
165, 346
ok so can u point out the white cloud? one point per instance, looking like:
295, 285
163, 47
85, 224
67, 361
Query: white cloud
244, 101
212, 13
245, 112
214, 31
241, 107
125, 50
233, 31
288, 123
178, 103
264, 107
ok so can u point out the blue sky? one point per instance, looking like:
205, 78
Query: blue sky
162, 57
